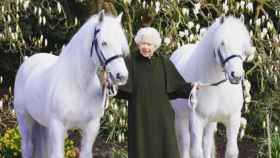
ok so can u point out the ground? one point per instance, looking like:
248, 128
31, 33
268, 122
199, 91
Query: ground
247, 147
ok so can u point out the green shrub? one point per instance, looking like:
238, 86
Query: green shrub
275, 145
10, 145
119, 153
114, 123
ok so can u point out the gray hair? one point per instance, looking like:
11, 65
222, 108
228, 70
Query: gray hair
148, 34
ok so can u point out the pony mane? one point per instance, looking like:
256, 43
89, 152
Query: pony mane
232, 31
83, 38
196, 62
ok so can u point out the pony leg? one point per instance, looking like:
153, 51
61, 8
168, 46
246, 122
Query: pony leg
25, 128
56, 139
196, 131
89, 134
209, 141
182, 126
232, 128
183, 136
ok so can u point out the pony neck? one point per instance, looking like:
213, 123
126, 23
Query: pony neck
75, 57
205, 68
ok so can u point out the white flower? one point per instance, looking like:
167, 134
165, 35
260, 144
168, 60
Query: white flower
191, 37
225, 8
59, 7
185, 11
264, 31
14, 112
157, 6
111, 118
263, 18
46, 42
8, 18
76, 21
269, 25
114, 107
144, 4
242, 133
197, 6
251, 33
275, 38
14, 36
258, 22
39, 11
250, 21
124, 110
3, 9
264, 124
40, 20
122, 136
35, 10
178, 44
167, 41
190, 24
195, 11
250, 7
197, 27
41, 38
181, 33
9, 29
26, 4
276, 129
1, 79
243, 122
237, 6
242, 4
44, 20
127, 1
119, 138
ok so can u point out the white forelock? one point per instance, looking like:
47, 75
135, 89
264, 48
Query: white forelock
233, 33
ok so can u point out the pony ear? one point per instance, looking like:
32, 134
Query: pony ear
101, 15
119, 18
242, 18
222, 19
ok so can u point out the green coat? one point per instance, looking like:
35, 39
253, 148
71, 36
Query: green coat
151, 127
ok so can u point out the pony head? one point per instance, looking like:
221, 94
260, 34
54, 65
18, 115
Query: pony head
232, 46
109, 46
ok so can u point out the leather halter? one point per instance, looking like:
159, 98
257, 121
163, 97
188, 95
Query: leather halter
223, 63
94, 45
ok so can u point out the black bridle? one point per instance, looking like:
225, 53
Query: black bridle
94, 45
223, 62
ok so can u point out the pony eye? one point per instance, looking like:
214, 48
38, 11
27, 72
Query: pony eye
104, 43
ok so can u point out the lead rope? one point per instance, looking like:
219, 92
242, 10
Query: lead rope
108, 88
101, 73
192, 98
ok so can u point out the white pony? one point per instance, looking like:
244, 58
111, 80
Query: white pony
55, 93
216, 63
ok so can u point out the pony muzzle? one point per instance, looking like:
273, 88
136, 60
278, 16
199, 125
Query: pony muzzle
235, 78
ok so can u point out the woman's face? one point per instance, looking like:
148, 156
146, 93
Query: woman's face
146, 49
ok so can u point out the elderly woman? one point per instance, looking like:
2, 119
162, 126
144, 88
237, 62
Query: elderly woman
153, 80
